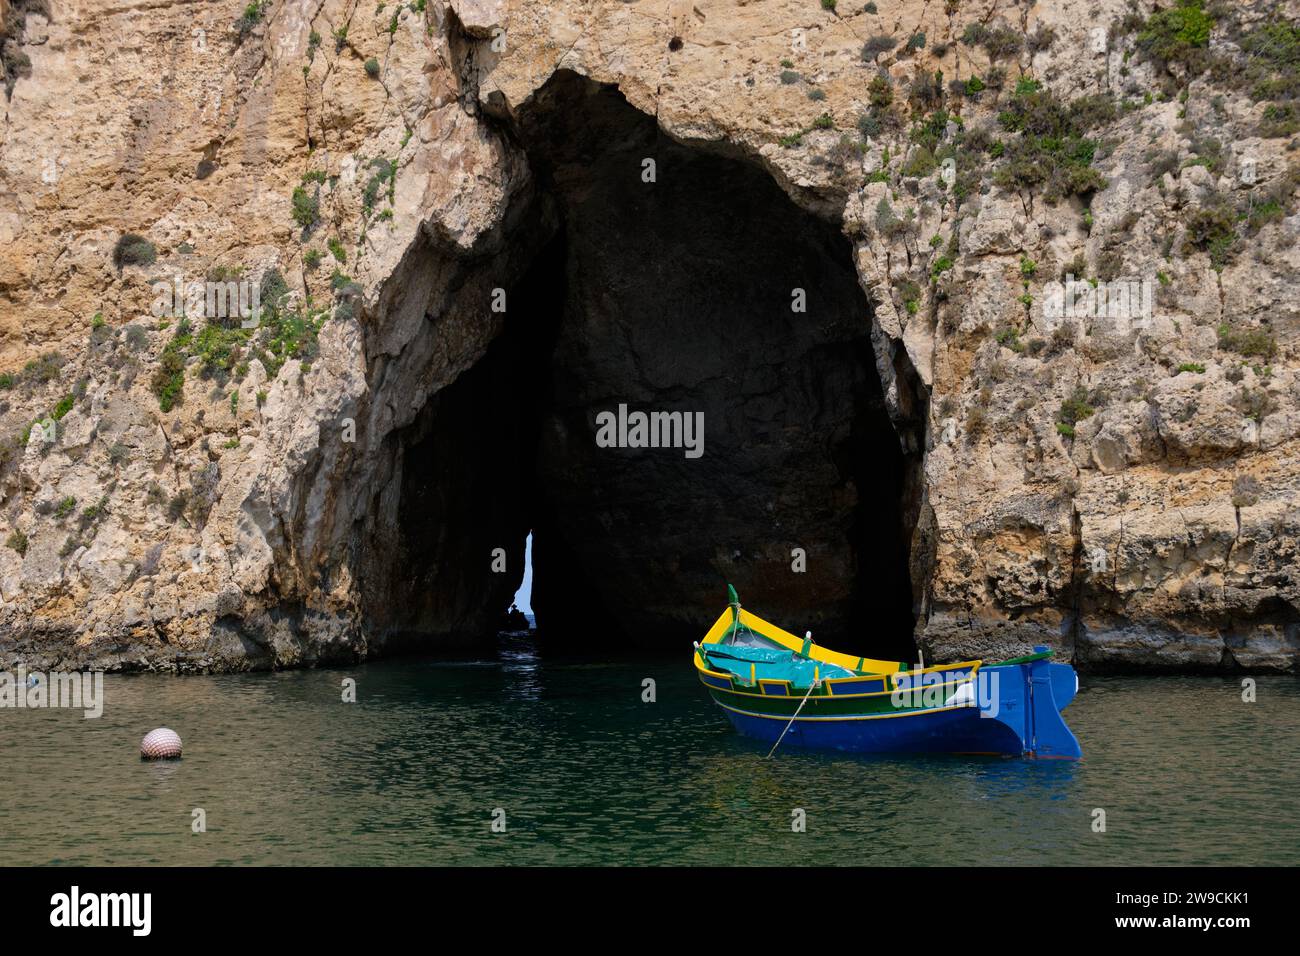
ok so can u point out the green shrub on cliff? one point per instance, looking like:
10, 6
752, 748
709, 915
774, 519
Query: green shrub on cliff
1271, 68
252, 17
1049, 151
1089, 112
18, 542
133, 250
877, 45
306, 207
136, 337
1254, 403
920, 163
223, 351
1009, 338
1279, 121
1179, 35
218, 349
930, 131
888, 223
46, 368
93, 514
998, 42
1075, 408
1248, 342
168, 381
941, 265
1212, 230
1260, 215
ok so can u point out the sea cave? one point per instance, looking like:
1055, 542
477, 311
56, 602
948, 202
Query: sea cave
690, 284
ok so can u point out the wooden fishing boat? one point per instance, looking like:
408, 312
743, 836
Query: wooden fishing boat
775, 687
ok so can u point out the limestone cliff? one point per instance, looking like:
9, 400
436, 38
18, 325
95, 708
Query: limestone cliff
958, 436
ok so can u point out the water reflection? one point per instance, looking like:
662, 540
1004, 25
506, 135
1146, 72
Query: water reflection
522, 666
587, 772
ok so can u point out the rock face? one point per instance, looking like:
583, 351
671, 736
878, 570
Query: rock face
444, 213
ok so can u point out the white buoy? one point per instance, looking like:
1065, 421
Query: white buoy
160, 744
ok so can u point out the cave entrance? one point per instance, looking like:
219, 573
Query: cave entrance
676, 280
523, 599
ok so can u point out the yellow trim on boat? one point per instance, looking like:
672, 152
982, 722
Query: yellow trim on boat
771, 631
904, 675
725, 675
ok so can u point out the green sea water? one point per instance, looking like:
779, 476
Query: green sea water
583, 771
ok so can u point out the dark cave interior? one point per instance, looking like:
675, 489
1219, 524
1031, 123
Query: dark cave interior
670, 295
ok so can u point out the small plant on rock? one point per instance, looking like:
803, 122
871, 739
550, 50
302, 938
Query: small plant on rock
17, 540
133, 250
306, 207
1075, 408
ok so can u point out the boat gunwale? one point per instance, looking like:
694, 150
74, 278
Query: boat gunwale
727, 675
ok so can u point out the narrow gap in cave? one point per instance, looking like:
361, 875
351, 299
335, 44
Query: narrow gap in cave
676, 296
523, 599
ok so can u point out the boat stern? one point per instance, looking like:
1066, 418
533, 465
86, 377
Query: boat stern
1028, 697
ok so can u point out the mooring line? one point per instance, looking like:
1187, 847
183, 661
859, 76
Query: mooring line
815, 684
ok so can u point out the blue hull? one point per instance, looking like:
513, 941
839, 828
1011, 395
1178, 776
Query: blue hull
960, 730
1022, 719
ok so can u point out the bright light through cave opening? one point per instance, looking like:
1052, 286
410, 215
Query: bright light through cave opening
524, 596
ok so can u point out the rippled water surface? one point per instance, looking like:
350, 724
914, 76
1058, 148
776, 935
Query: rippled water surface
587, 773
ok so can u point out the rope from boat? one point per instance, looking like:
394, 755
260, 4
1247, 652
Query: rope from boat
815, 684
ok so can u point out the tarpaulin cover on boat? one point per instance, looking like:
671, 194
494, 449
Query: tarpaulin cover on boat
770, 663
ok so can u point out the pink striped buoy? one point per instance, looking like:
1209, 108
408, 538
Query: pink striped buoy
160, 744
